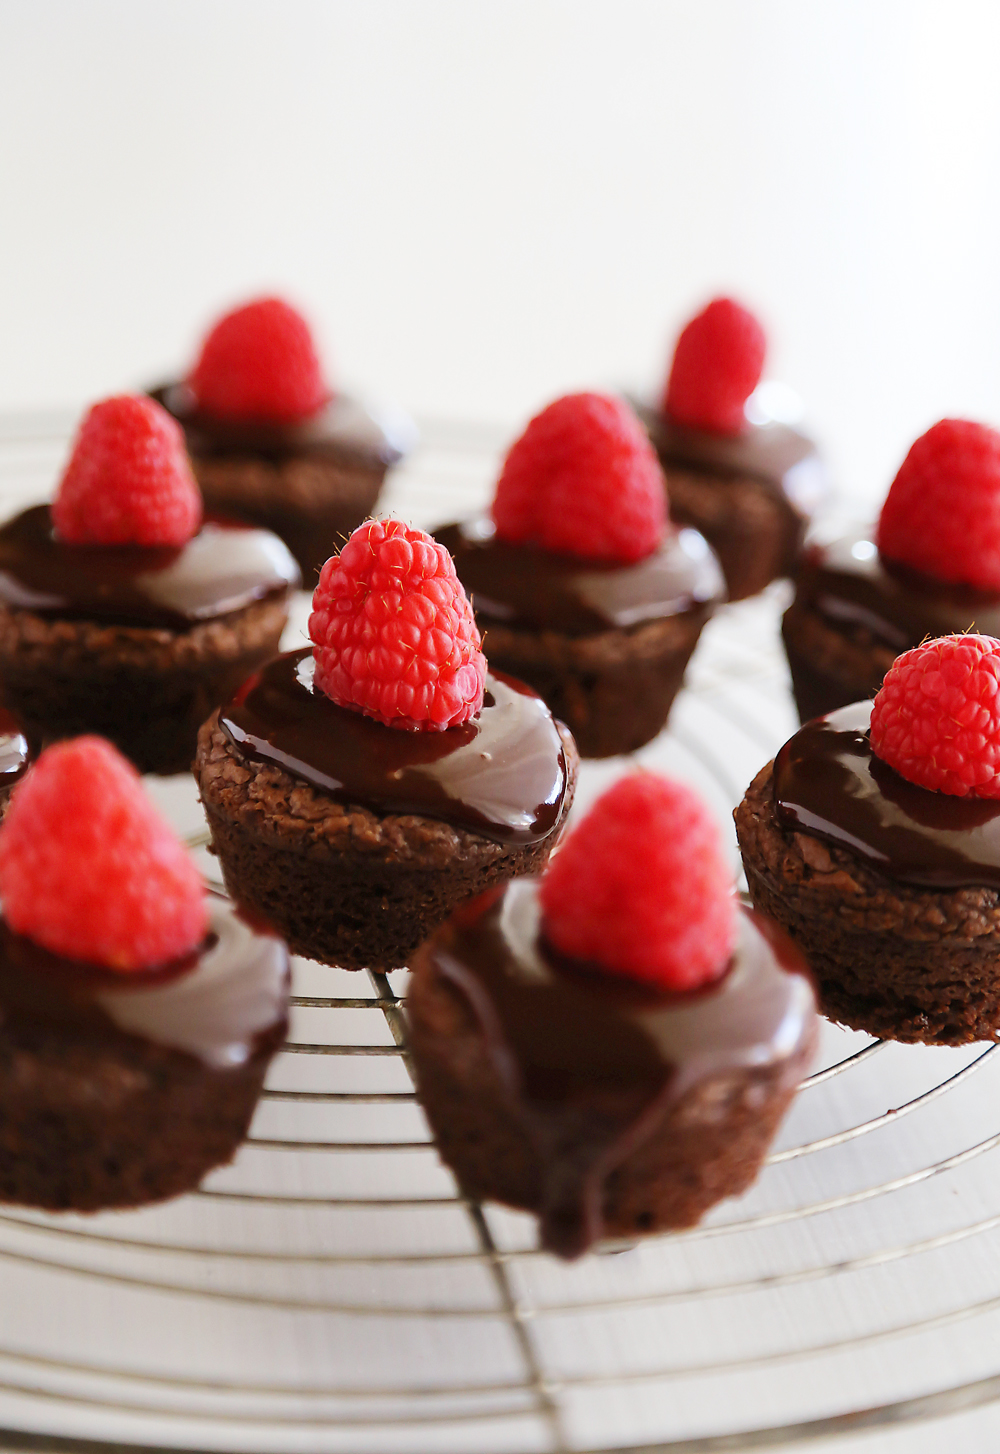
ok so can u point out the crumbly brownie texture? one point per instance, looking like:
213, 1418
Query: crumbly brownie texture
831, 666
754, 531
340, 883
709, 1144
902, 962
113, 1121
614, 690
311, 502
146, 689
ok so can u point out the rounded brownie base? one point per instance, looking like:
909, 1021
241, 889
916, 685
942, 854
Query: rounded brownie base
116, 1121
755, 533
902, 962
147, 690
340, 883
613, 690
708, 1144
313, 503
830, 668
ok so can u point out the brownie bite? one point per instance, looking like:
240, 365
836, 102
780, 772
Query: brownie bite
891, 891
749, 487
611, 1104
271, 444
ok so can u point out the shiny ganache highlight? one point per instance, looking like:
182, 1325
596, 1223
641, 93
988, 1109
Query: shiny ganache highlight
565, 1039
849, 584
224, 568
502, 774
829, 783
526, 588
220, 1004
15, 753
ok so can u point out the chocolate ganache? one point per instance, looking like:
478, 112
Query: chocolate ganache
343, 429
829, 783
530, 589
849, 584
564, 1037
771, 452
15, 754
219, 1004
224, 568
502, 774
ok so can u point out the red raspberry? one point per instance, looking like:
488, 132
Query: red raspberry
90, 870
641, 887
936, 717
128, 481
583, 480
942, 513
394, 632
259, 362
717, 365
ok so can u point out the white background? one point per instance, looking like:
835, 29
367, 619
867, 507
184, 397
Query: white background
485, 204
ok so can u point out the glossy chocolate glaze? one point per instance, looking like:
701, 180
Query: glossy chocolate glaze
219, 1004
849, 584
502, 775
224, 568
829, 783
15, 754
564, 1038
343, 429
772, 452
530, 589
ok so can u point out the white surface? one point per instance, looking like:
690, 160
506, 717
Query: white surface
487, 205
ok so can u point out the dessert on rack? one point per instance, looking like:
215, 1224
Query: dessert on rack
873, 838
138, 1015
122, 611
271, 442
611, 1045
931, 566
748, 482
580, 583
359, 789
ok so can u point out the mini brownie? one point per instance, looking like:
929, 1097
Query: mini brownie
606, 645
311, 480
891, 891
136, 643
117, 1090
356, 839
608, 1107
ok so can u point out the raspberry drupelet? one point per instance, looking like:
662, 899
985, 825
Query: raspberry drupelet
583, 587
357, 791
138, 1014
874, 839
613, 1044
930, 567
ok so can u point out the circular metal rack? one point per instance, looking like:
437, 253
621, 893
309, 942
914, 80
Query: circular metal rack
334, 1290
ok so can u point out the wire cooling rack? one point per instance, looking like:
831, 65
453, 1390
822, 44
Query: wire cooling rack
333, 1289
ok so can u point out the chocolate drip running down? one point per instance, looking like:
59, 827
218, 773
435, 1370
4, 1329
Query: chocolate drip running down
220, 1004
344, 429
502, 775
848, 582
829, 783
526, 588
223, 569
592, 1061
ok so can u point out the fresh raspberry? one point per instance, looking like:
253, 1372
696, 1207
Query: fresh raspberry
89, 869
717, 365
942, 513
394, 632
259, 362
936, 718
128, 480
641, 887
583, 480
